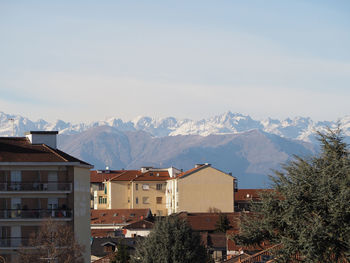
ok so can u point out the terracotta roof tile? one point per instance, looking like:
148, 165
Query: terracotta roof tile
99, 177
118, 216
191, 170
207, 221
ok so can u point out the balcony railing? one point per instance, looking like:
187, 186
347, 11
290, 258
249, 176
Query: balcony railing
35, 186
13, 242
35, 213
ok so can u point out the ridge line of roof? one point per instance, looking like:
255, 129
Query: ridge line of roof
54, 152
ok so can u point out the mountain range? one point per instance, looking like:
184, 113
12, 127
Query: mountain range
232, 142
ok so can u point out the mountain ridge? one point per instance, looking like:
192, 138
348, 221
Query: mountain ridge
300, 128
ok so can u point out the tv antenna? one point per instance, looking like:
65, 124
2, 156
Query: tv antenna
13, 126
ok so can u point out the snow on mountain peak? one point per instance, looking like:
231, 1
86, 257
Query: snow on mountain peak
302, 128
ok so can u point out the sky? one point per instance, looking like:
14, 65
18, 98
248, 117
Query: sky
90, 60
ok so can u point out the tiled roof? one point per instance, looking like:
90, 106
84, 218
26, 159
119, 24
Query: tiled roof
99, 177
127, 175
188, 172
118, 216
102, 232
249, 194
153, 176
20, 149
141, 224
232, 246
208, 221
137, 175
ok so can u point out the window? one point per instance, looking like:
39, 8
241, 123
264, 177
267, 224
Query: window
137, 187
108, 248
145, 200
159, 200
102, 200
137, 200
145, 186
101, 186
159, 186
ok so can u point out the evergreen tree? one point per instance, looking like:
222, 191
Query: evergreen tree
122, 254
223, 224
171, 241
309, 213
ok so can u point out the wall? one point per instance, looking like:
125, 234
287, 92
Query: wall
117, 192
152, 193
205, 189
82, 209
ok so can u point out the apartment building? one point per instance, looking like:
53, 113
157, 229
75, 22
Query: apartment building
38, 181
135, 189
201, 189
166, 191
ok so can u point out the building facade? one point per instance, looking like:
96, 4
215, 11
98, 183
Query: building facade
37, 182
135, 189
201, 189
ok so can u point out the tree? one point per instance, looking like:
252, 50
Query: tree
223, 224
171, 241
309, 211
54, 242
122, 254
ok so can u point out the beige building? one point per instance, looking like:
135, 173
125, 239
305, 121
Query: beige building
135, 189
201, 189
38, 181
166, 191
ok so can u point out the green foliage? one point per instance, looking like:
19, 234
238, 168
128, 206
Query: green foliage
223, 224
309, 213
122, 255
171, 241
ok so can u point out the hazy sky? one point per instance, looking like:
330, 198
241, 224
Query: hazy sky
87, 60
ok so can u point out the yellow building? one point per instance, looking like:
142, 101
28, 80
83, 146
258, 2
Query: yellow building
201, 189
38, 181
135, 189
166, 191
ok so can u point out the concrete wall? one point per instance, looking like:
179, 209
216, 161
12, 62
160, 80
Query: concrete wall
82, 209
117, 192
150, 194
205, 189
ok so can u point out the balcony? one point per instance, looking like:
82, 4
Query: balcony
30, 187
34, 214
13, 242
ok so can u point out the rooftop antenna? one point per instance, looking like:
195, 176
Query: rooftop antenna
13, 126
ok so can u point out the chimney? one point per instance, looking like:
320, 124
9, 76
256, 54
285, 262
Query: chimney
43, 137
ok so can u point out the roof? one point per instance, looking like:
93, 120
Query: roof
141, 224
249, 194
215, 241
208, 221
118, 216
193, 170
99, 177
99, 242
103, 232
20, 149
232, 246
137, 175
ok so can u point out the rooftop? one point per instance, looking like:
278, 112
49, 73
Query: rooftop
20, 149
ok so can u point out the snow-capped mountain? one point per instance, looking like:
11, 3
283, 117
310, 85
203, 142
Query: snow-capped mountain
300, 128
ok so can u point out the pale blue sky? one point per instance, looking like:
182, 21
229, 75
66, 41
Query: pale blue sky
87, 60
